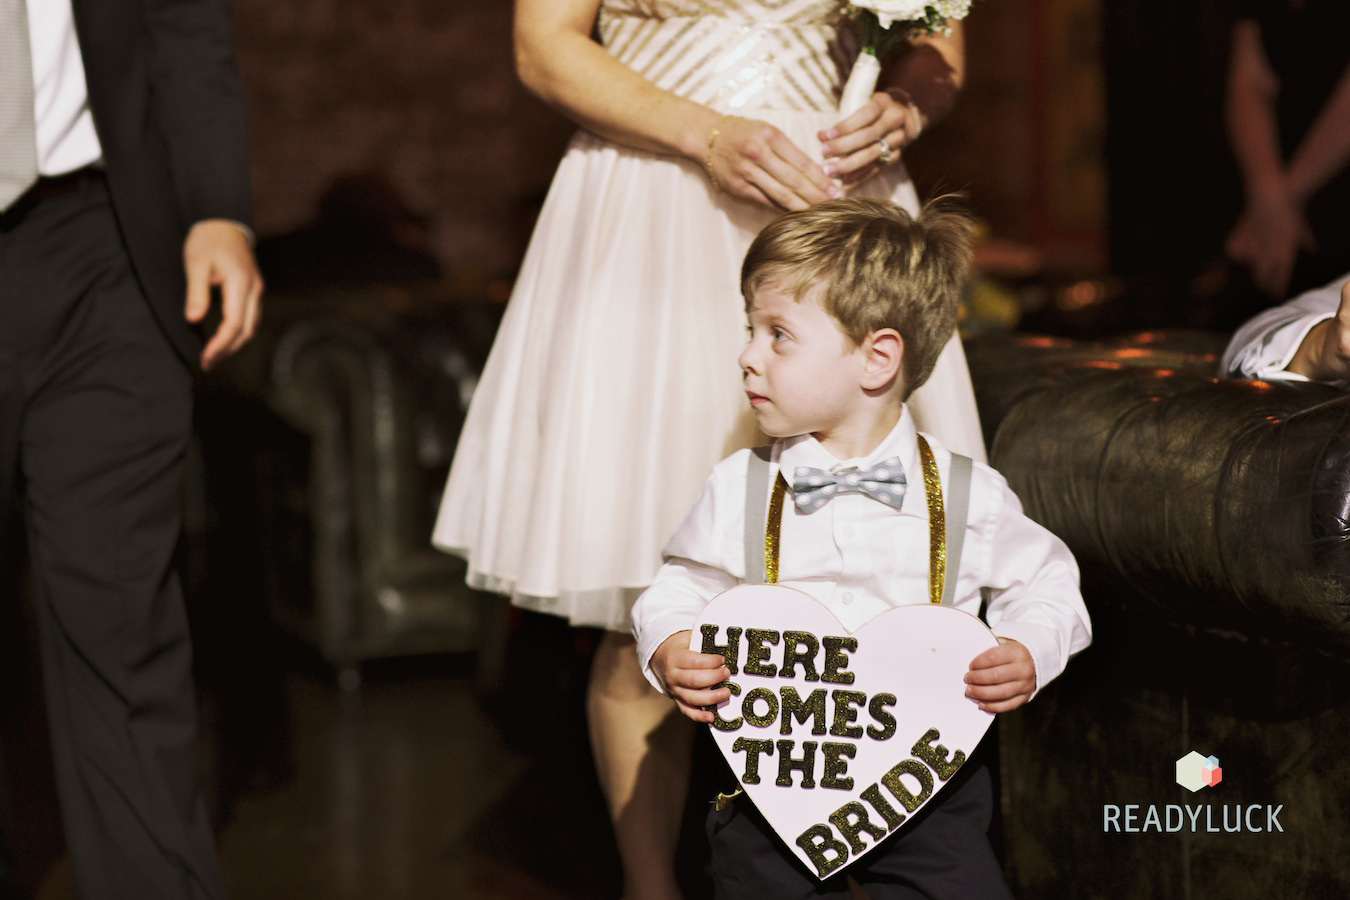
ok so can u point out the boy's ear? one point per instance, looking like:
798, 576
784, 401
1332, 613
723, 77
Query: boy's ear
884, 350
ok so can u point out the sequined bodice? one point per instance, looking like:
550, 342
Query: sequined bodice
733, 54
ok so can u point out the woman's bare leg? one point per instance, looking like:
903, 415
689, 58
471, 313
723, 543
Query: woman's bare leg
642, 749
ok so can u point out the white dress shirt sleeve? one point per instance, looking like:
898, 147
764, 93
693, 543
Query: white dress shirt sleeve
1265, 344
1033, 581
66, 139
700, 563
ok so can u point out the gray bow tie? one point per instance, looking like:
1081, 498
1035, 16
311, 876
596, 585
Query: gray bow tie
812, 488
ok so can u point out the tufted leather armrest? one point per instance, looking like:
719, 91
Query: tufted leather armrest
376, 381
1220, 504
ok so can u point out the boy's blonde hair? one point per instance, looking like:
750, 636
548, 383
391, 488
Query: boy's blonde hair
877, 267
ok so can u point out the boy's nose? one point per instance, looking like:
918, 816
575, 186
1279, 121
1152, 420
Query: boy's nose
747, 359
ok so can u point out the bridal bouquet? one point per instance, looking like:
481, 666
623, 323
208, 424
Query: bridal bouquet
880, 24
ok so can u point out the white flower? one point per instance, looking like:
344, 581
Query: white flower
891, 11
952, 9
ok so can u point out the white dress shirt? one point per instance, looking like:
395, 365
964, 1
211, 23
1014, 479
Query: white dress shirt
66, 139
1264, 346
860, 557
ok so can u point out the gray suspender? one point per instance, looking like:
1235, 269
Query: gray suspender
956, 501
757, 480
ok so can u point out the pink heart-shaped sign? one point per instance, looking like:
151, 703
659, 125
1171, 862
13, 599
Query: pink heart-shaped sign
839, 737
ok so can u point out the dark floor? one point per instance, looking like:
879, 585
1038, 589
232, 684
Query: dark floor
394, 787
417, 785
404, 788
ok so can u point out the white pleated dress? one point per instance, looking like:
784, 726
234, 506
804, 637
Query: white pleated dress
612, 389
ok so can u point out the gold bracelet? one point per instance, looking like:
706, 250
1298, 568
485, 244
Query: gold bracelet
707, 157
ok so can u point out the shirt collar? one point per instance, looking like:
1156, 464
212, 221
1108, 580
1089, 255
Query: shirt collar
902, 442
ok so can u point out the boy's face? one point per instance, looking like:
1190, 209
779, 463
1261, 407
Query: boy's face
803, 375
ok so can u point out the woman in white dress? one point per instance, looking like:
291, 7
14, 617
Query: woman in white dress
612, 388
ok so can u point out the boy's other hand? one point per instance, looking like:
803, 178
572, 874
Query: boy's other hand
691, 678
1002, 678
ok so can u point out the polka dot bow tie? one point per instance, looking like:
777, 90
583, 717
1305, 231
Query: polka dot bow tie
813, 488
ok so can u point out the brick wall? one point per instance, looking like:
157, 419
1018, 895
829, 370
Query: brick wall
1025, 141
423, 92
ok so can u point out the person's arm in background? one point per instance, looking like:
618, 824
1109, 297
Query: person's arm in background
917, 88
199, 101
557, 60
1307, 338
1325, 149
1271, 228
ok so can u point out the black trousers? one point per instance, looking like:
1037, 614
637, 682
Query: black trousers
944, 854
95, 410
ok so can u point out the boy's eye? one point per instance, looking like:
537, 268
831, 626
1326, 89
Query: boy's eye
779, 334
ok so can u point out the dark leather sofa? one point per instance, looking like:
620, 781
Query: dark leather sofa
346, 407
1209, 519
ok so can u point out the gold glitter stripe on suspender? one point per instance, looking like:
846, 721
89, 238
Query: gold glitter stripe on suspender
937, 525
772, 527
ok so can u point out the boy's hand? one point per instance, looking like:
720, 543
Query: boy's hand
1002, 678
690, 677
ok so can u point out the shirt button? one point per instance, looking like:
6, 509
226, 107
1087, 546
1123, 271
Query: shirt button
846, 597
848, 531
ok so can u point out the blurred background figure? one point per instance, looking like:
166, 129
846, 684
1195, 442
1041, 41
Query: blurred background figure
363, 233
1288, 122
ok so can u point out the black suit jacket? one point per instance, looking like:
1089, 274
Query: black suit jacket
166, 100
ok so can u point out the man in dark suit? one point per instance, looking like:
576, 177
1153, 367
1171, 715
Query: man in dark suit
124, 190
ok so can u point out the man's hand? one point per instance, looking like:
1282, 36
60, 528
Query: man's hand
691, 678
1324, 354
216, 253
1002, 678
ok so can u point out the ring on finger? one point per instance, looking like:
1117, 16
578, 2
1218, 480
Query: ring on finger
887, 151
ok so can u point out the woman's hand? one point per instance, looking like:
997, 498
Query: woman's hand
918, 87
853, 149
755, 161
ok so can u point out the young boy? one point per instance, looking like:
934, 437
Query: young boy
849, 304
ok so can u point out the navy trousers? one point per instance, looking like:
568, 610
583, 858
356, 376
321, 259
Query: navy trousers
95, 410
944, 854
